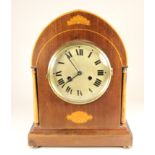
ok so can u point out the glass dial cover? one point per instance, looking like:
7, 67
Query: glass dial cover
79, 72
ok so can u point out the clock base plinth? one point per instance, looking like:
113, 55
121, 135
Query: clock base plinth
121, 137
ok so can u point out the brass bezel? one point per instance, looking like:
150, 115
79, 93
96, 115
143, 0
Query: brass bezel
59, 52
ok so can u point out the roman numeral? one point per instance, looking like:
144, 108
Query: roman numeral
90, 90
68, 54
69, 90
79, 52
97, 62
58, 73
97, 82
90, 54
61, 81
100, 72
61, 62
79, 92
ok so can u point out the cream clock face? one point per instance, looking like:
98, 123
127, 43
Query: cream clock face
79, 72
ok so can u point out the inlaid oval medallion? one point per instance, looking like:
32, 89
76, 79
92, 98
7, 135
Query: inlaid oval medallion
79, 117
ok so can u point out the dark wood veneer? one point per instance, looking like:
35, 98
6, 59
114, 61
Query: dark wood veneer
105, 129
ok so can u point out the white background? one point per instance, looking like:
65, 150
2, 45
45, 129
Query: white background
28, 20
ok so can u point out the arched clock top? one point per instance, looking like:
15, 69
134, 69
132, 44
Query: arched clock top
79, 79
76, 21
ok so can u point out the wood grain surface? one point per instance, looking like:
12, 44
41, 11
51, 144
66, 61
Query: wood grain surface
105, 129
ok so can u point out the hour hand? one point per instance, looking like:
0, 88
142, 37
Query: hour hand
71, 78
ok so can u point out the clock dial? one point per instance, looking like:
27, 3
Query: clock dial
79, 72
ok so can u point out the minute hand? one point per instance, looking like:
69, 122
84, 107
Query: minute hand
72, 63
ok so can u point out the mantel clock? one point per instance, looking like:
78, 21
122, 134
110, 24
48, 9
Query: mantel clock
79, 69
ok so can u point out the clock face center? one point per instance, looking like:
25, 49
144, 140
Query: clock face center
79, 72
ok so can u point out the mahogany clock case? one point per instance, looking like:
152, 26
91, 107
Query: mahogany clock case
51, 128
